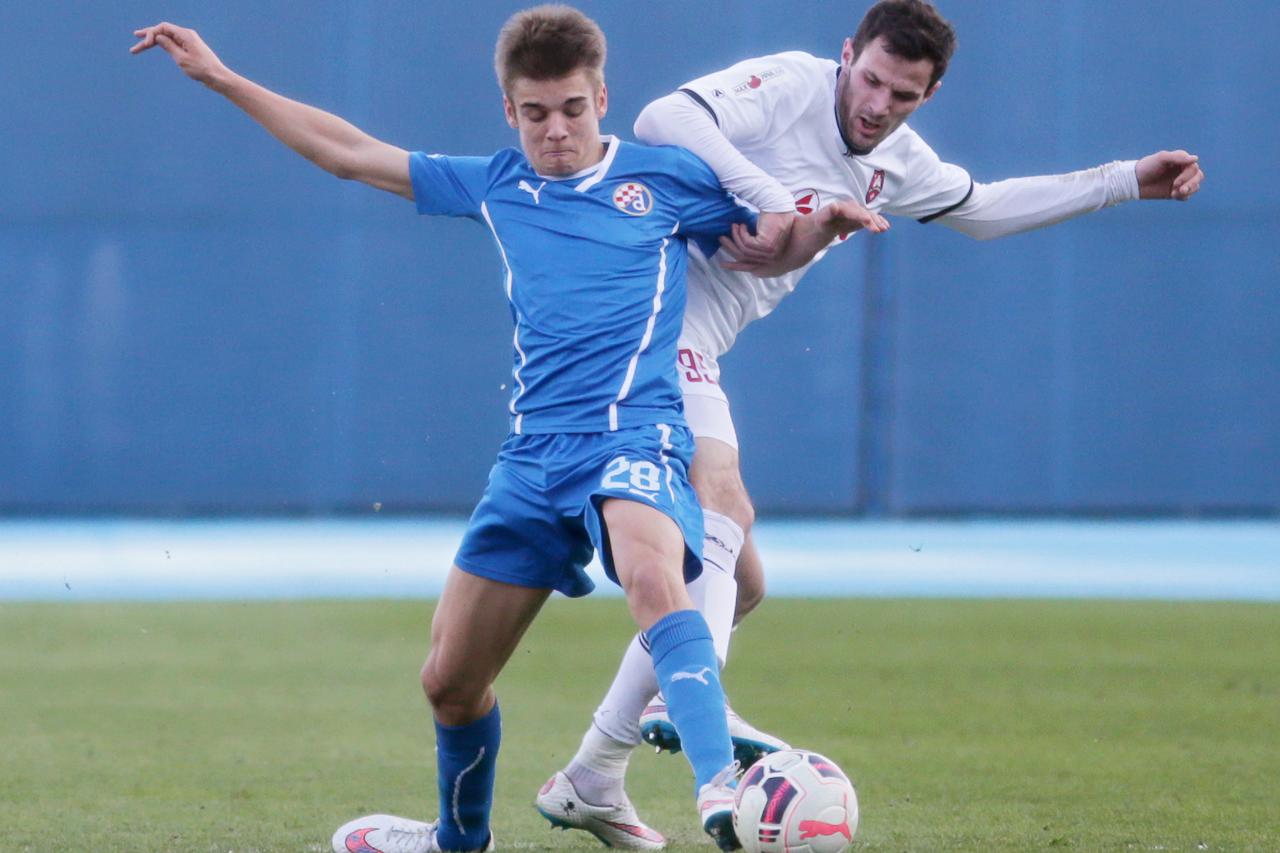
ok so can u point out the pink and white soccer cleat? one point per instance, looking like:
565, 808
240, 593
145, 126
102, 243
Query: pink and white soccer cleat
384, 833
715, 808
616, 825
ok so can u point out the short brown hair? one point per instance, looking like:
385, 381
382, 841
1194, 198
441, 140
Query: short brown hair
912, 29
547, 43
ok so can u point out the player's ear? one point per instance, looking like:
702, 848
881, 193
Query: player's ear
602, 100
509, 109
846, 52
929, 94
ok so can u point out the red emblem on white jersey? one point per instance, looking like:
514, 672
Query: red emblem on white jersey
877, 184
807, 201
633, 199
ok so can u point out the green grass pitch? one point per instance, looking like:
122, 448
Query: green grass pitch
966, 725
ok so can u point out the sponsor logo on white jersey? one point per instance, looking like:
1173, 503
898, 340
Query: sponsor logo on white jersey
633, 199
755, 81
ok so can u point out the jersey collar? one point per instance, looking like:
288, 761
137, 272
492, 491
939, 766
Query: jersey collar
597, 173
592, 174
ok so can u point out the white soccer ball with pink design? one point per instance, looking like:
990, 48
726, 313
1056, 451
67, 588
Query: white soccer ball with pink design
793, 801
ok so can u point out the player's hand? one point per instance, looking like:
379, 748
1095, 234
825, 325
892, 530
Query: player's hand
1169, 174
766, 245
809, 236
842, 218
186, 48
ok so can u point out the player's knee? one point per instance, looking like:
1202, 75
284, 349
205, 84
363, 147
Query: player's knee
451, 694
652, 594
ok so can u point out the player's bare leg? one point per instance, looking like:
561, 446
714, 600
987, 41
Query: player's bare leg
477, 625
749, 573
648, 556
716, 478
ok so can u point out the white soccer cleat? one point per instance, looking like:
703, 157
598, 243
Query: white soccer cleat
749, 743
384, 833
715, 808
615, 825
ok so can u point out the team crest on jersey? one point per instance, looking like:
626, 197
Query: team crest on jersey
633, 199
877, 184
807, 201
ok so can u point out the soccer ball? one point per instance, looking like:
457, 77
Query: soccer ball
793, 801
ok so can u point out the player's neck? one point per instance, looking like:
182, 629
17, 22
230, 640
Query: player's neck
849, 149
603, 152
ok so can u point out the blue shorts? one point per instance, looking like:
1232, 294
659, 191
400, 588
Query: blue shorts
539, 519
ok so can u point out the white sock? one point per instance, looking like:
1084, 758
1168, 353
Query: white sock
715, 592
635, 684
598, 770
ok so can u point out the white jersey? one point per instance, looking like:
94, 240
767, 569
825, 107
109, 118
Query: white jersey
780, 112
776, 143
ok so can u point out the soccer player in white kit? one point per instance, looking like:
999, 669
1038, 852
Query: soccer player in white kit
793, 132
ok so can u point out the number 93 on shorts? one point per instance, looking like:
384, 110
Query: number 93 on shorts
539, 520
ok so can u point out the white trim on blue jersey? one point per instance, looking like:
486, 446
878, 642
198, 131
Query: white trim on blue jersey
665, 431
648, 332
516, 416
603, 168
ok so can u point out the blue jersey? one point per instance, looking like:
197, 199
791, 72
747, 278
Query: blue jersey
595, 274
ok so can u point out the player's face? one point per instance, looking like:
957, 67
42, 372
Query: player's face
559, 121
877, 91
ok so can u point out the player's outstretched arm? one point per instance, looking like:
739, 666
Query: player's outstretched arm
1021, 204
809, 236
330, 142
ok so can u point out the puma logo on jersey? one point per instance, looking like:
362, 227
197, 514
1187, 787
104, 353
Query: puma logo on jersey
527, 187
700, 675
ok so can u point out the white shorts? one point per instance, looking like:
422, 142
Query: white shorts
706, 407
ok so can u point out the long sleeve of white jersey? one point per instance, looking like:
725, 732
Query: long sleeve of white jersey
678, 120
1021, 204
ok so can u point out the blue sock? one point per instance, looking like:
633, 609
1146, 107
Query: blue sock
689, 677
466, 763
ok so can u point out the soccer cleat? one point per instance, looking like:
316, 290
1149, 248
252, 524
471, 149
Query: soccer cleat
749, 743
615, 825
384, 833
715, 808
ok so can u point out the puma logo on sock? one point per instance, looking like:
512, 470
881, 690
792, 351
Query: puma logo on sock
700, 675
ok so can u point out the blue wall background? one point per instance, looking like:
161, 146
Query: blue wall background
193, 319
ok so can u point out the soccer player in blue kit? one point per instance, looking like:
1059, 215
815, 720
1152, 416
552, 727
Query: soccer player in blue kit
592, 232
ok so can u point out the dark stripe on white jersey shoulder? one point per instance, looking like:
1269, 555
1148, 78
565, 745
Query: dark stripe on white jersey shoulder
926, 220
702, 102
